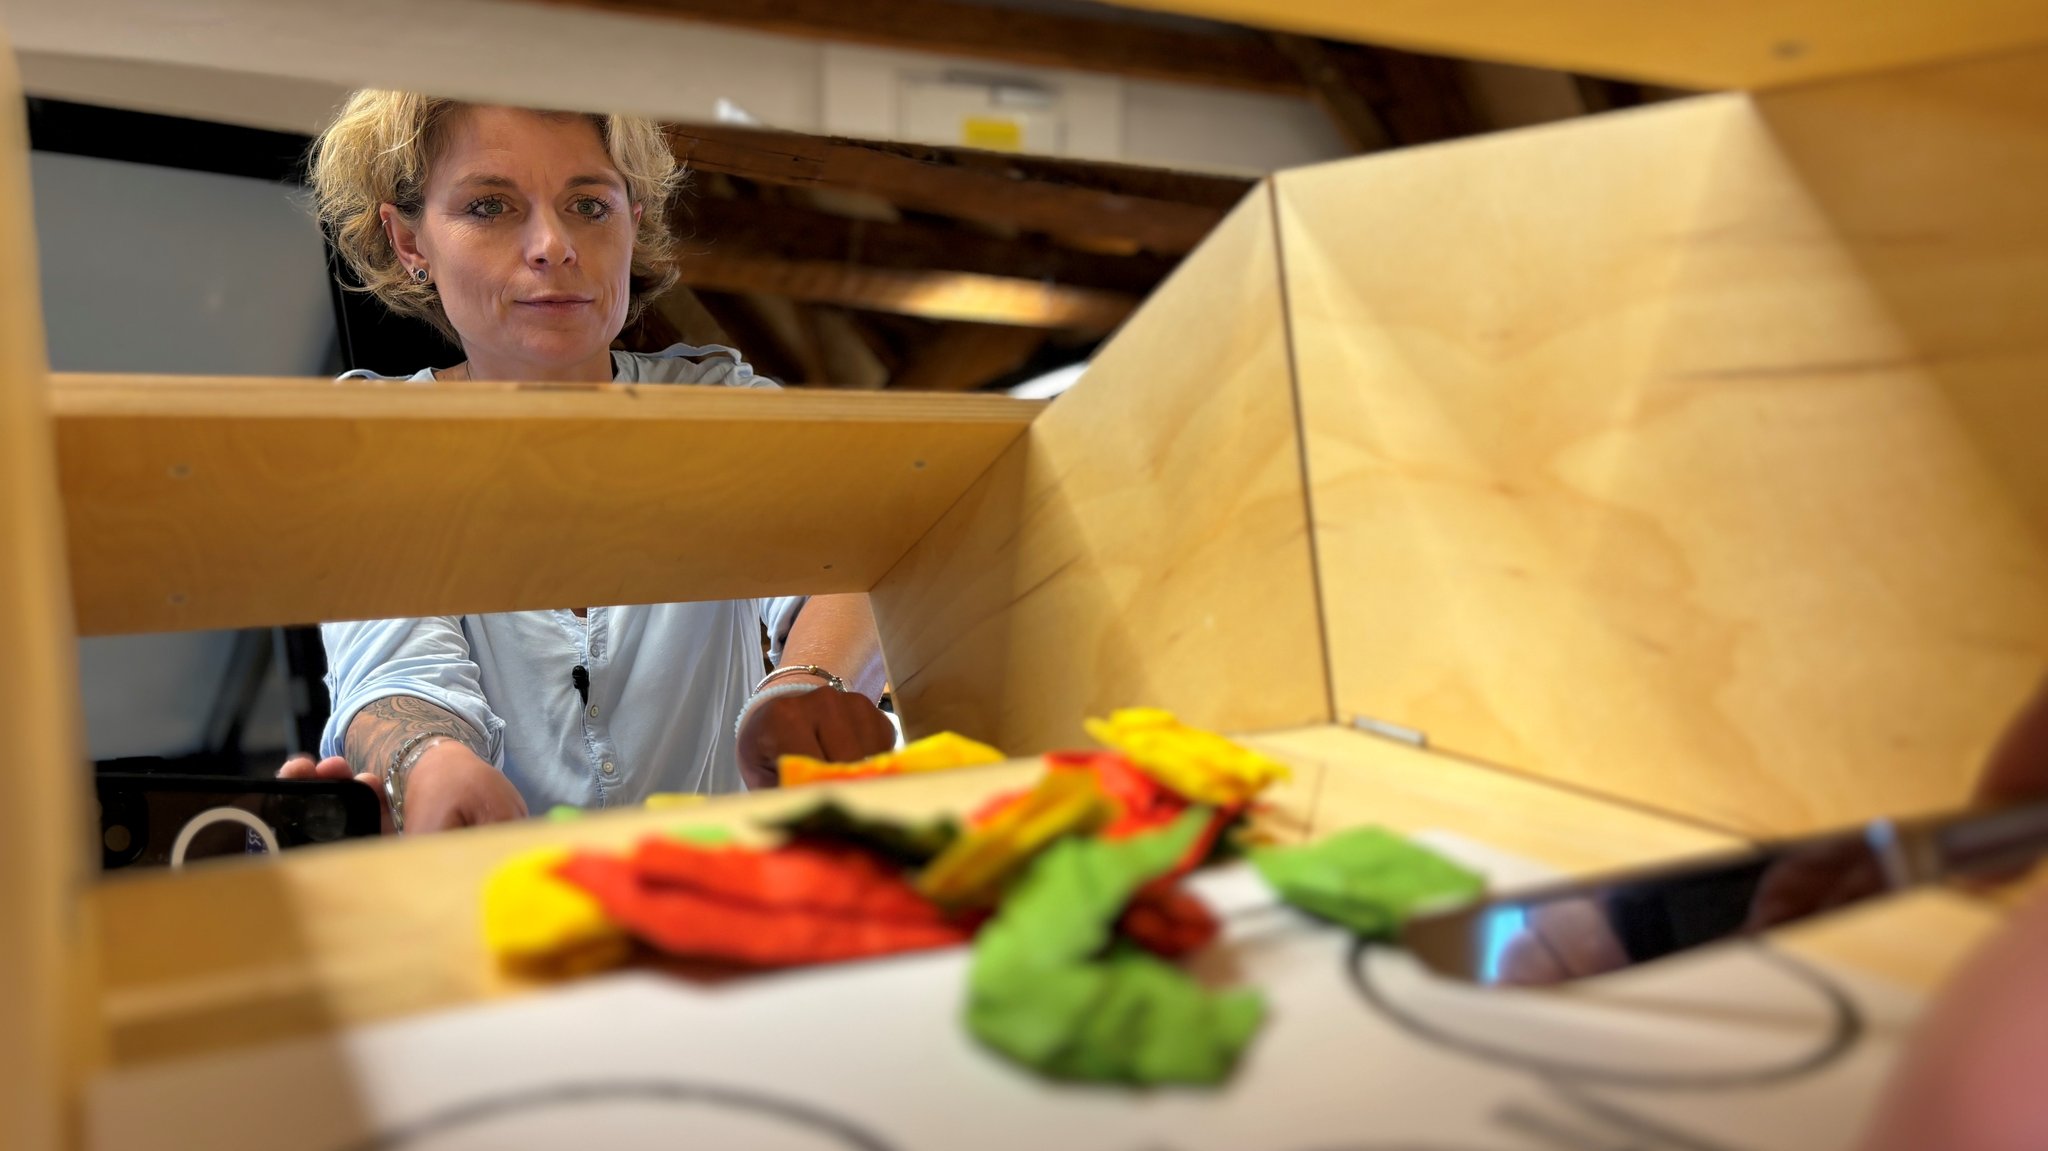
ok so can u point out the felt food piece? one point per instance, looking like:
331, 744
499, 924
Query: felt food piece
942, 752
776, 908
824, 878
1042, 992
703, 834
1168, 921
671, 800
539, 924
1200, 765
1142, 802
973, 870
1137, 801
910, 844
1368, 879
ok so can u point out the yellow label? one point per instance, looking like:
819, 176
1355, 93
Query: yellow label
993, 133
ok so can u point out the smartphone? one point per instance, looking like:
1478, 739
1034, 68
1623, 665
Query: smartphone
151, 820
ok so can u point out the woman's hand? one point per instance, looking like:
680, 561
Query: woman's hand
335, 767
835, 726
451, 786
2019, 765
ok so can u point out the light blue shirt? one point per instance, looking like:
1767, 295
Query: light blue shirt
667, 681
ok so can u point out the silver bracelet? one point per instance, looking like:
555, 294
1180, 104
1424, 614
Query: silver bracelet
832, 681
400, 769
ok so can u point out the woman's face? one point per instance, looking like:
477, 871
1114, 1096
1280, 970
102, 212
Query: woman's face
527, 235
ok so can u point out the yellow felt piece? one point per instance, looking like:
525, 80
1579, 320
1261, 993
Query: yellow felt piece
536, 922
942, 752
974, 868
1200, 765
670, 800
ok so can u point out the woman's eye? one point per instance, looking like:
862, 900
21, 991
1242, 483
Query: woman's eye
591, 209
490, 207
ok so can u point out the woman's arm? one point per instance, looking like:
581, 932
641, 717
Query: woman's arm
407, 695
836, 633
444, 780
447, 781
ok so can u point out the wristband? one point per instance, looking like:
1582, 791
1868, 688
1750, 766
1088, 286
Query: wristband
765, 694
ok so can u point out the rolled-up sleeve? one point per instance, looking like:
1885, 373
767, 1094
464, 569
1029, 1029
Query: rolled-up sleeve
426, 658
778, 615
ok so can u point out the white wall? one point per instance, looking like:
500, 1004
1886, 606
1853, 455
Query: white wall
148, 269
1179, 126
283, 64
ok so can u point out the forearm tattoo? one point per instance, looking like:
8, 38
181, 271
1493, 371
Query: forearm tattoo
381, 728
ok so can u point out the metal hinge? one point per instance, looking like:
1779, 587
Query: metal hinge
1393, 731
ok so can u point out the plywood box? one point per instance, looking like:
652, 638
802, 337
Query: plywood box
1684, 459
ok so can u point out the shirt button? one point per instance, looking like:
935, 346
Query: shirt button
593, 711
609, 768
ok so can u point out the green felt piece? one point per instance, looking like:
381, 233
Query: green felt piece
702, 834
1043, 992
1368, 879
910, 844
563, 813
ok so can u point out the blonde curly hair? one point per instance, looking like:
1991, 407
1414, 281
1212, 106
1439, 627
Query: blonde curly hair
378, 151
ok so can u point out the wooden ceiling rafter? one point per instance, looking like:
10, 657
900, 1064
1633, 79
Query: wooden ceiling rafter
935, 295
1056, 197
780, 231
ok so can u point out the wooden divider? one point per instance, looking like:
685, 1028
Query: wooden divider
1690, 43
209, 503
1693, 455
44, 967
1146, 543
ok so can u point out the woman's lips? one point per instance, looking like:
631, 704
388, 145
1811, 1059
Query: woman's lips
556, 306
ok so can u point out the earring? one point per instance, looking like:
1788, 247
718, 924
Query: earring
419, 275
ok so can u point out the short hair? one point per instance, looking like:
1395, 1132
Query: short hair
378, 151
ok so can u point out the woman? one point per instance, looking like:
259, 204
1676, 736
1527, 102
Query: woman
531, 239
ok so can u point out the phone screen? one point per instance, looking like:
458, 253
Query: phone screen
167, 820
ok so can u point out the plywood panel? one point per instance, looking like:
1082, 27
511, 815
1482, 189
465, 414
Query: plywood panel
1690, 43
1146, 543
1688, 454
42, 767
207, 503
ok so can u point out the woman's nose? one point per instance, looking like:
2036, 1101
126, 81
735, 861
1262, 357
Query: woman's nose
547, 243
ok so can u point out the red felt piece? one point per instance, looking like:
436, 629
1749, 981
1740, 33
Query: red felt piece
824, 877
712, 912
1168, 921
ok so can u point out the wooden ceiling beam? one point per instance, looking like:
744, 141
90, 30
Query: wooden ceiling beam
963, 357
932, 295
1165, 212
721, 226
1184, 52
1333, 92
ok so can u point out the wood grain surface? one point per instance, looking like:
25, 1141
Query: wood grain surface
1689, 43
43, 771
1147, 543
1691, 455
217, 502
